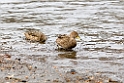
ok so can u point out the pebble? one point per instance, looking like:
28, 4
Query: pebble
73, 71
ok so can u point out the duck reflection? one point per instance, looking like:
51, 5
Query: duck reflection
68, 54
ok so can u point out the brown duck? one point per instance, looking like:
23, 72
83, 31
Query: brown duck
35, 35
67, 41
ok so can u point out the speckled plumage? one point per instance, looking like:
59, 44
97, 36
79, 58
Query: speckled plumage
67, 41
35, 35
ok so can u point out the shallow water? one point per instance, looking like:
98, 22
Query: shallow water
99, 23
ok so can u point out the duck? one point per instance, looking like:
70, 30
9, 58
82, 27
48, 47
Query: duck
35, 35
67, 41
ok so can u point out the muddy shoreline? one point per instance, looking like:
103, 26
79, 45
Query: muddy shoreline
21, 71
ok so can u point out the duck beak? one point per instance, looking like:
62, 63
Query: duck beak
78, 37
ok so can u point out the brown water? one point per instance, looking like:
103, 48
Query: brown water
100, 25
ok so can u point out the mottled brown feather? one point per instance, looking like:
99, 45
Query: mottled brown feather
67, 41
35, 35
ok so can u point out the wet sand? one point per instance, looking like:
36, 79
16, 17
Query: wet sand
23, 71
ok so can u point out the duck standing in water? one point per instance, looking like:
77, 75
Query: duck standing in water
67, 41
35, 35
